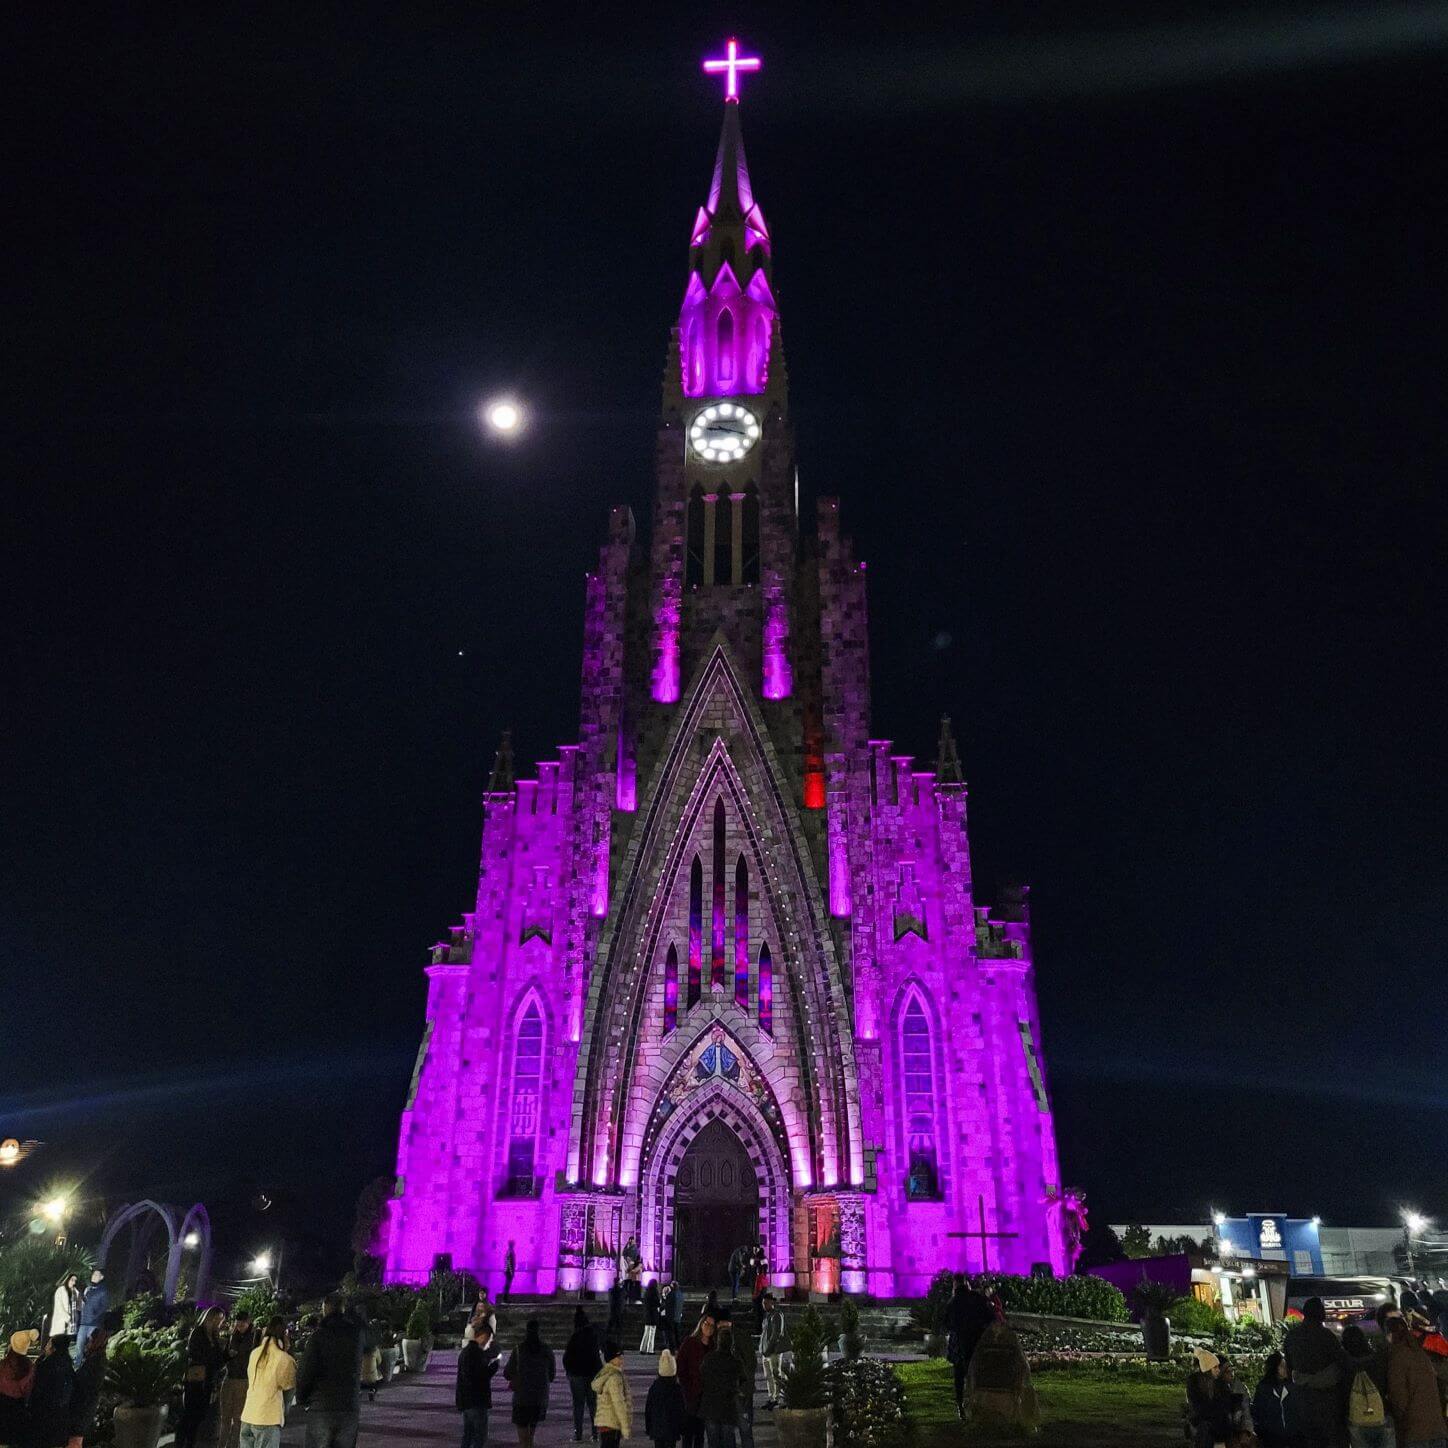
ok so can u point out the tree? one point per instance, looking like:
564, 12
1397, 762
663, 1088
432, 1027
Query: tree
1099, 1246
371, 1213
1168, 1246
1136, 1241
30, 1271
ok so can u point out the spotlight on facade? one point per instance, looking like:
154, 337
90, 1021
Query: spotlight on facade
54, 1210
1415, 1222
191, 1239
261, 1264
1317, 1221
503, 416
1220, 1218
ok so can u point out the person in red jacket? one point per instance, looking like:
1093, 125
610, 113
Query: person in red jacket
696, 1347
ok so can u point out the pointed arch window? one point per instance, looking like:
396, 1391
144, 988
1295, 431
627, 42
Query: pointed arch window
671, 990
741, 934
724, 352
716, 934
693, 363
524, 1112
694, 537
918, 1096
766, 991
696, 930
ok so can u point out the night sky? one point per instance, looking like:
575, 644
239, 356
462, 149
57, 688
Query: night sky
1118, 330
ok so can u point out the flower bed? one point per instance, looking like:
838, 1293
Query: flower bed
868, 1402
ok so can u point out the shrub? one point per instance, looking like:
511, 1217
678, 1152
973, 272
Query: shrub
1191, 1314
259, 1301
1089, 1297
1149, 1296
868, 1403
419, 1323
1250, 1336
929, 1315
394, 1306
143, 1368
804, 1383
145, 1309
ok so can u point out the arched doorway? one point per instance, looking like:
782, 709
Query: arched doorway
716, 1205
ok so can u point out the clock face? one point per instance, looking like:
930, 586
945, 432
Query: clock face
723, 432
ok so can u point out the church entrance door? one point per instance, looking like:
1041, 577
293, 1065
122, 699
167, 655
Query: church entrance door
716, 1206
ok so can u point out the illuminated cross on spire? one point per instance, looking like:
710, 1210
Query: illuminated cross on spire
731, 65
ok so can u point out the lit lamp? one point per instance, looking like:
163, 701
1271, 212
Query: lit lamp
261, 1264
1414, 1225
191, 1239
9, 1151
53, 1212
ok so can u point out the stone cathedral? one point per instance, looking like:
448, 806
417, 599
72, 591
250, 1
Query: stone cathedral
726, 980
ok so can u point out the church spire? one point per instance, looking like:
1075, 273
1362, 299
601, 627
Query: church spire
727, 324
502, 778
947, 764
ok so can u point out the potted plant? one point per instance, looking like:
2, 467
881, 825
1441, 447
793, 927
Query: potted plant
803, 1418
1153, 1300
417, 1339
143, 1369
387, 1344
852, 1340
929, 1315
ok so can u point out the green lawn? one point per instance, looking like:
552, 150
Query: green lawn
1080, 1408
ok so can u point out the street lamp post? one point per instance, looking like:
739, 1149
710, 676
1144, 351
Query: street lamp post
1413, 1225
55, 1210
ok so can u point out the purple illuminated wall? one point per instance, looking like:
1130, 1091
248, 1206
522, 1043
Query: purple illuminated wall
727, 902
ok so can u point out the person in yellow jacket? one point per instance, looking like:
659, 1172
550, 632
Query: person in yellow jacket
271, 1373
614, 1412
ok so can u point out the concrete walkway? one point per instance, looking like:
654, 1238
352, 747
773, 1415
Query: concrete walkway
419, 1410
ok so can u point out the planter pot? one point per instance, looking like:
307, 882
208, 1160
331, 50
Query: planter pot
802, 1427
415, 1353
389, 1363
1156, 1337
139, 1427
935, 1344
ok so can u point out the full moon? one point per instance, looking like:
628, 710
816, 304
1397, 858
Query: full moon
503, 415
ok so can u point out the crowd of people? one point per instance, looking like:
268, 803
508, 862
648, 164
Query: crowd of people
702, 1392
1385, 1389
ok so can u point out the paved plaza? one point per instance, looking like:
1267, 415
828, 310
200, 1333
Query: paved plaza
415, 1409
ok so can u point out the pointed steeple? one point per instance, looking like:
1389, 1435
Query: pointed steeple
728, 320
502, 777
730, 226
947, 764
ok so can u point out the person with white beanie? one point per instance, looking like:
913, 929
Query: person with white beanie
664, 1409
1209, 1406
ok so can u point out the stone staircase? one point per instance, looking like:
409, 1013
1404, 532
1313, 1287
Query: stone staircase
884, 1322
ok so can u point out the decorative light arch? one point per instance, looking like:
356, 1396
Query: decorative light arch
142, 1217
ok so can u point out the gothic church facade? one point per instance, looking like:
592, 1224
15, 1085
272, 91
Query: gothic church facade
725, 979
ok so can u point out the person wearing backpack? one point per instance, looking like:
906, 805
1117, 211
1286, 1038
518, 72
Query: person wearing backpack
1368, 1423
1274, 1406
